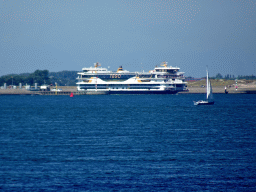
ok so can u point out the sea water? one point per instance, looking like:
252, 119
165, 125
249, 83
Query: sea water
127, 143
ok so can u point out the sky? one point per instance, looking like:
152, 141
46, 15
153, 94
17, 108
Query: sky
68, 35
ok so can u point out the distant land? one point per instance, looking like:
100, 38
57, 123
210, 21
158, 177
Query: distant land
68, 78
62, 78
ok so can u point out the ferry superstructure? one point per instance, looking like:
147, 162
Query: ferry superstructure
162, 80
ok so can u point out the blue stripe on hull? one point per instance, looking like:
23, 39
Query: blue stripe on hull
142, 92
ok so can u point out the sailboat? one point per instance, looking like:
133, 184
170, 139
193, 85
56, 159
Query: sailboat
209, 96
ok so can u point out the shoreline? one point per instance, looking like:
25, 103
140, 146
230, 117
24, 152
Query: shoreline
68, 90
220, 90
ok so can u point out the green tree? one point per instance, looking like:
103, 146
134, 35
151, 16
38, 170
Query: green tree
219, 76
39, 76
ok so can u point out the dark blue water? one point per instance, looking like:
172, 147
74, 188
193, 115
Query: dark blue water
127, 143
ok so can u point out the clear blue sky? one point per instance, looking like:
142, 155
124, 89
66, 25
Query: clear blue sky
137, 34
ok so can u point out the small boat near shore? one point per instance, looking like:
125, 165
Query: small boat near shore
209, 96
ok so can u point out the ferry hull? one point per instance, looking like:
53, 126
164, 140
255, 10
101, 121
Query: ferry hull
143, 92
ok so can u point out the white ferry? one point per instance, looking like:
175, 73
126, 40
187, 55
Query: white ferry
162, 80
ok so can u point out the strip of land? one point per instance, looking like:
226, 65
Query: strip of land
219, 86
192, 90
197, 87
220, 90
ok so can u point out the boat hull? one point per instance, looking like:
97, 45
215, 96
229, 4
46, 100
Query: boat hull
97, 92
144, 92
113, 92
204, 103
122, 92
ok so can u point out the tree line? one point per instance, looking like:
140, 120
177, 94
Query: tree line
232, 77
41, 77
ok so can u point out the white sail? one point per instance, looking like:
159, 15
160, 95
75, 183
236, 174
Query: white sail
209, 95
207, 86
